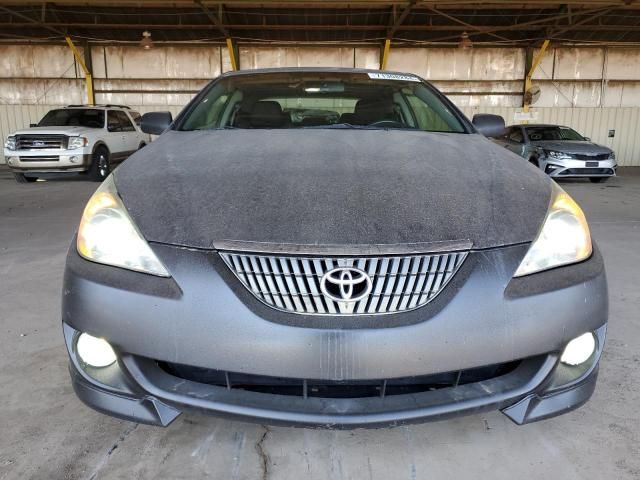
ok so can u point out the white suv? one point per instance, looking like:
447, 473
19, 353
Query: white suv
78, 138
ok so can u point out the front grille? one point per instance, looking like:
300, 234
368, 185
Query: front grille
300, 387
599, 156
40, 158
293, 284
40, 142
587, 171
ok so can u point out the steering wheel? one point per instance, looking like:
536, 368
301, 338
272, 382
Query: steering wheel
387, 123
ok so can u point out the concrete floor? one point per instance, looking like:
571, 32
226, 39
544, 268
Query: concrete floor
45, 432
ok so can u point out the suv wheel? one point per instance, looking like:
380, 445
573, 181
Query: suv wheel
100, 167
22, 178
598, 179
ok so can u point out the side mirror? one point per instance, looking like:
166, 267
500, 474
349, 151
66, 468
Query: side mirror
155, 123
489, 125
587, 139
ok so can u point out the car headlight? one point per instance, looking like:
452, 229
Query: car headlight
108, 235
10, 143
557, 155
76, 142
563, 239
612, 155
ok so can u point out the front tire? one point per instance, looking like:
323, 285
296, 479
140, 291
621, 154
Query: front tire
22, 178
598, 179
100, 166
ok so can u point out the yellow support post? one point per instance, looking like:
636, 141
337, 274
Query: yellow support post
385, 54
536, 62
87, 73
232, 53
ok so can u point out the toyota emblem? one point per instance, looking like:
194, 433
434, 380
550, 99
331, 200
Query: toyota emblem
345, 284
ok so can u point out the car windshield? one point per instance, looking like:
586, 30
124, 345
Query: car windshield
537, 134
73, 117
287, 100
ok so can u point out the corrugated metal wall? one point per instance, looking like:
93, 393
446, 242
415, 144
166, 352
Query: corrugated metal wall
592, 122
169, 75
592, 89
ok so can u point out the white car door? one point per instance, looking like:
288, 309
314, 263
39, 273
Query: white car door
141, 136
114, 137
130, 138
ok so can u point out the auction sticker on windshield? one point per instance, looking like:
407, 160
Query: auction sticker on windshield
393, 76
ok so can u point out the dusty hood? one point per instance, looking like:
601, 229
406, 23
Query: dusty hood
573, 146
328, 187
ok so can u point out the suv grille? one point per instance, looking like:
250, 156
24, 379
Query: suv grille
597, 156
293, 284
40, 158
587, 171
39, 142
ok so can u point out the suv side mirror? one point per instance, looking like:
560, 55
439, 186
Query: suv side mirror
489, 125
155, 123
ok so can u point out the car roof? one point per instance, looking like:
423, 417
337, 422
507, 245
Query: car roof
99, 107
258, 71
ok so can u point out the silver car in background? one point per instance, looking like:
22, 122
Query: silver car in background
560, 151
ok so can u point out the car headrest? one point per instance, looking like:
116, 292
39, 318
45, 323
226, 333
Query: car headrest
266, 114
370, 110
350, 118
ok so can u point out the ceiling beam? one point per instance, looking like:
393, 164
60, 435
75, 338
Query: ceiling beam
401, 18
31, 21
214, 18
518, 26
572, 26
410, 28
465, 24
496, 5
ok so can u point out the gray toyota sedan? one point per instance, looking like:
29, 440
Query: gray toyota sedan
330, 247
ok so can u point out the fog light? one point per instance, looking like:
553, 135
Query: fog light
73, 159
10, 160
95, 352
579, 349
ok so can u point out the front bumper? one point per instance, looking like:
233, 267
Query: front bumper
45, 160
158, 398
487, 318
578, 168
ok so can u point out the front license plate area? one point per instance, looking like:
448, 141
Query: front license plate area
593, 164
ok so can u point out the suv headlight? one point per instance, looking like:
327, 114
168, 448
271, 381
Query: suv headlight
108, 235
557, 155
76, 142
10, 143
563, 239
612, 155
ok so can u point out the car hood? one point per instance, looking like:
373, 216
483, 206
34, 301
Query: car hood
71, 131
331, 187
573, 146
